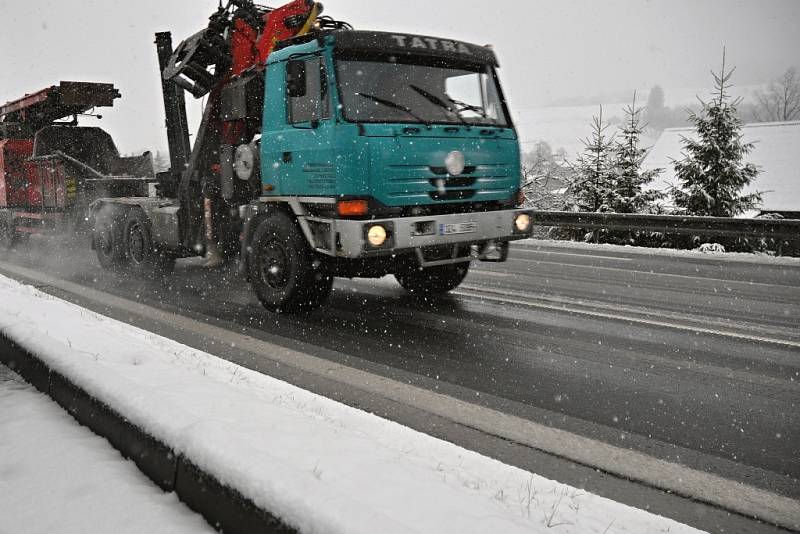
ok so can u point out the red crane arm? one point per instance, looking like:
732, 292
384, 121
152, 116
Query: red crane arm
250, 48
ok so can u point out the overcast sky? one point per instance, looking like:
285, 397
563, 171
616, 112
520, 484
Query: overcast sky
549, 50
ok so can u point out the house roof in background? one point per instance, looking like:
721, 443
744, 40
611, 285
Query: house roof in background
776, 153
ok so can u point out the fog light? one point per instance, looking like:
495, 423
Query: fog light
376, 235
523, 222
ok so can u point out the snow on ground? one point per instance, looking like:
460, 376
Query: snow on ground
56, 476
743, 257
775, 154
566, 126
563, 126
319, 465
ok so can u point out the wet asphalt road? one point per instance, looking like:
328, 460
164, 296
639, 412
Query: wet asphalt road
692, 359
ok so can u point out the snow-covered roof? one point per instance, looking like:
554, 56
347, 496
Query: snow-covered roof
777, 154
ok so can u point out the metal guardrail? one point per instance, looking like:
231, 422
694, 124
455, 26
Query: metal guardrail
676, 224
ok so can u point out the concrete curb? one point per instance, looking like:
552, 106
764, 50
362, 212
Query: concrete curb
223, 507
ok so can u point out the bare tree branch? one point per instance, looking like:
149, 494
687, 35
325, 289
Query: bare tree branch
781, 100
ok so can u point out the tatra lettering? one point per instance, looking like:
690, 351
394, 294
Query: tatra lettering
432, 43
448, 46
416, 42
401, 39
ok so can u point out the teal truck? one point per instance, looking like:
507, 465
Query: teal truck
325, 152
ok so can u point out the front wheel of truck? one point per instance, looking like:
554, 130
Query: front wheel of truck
436, 280
283, 270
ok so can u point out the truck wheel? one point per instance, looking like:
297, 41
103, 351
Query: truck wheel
281, 267
144, 260
108, 241
7, 235
433, 280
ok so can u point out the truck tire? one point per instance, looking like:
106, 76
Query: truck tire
108, 241
144, 260
7, 235
436, 280
282, 268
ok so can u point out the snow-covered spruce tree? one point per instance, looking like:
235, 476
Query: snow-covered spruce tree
591, 183
628, 193
543, 178
712, 173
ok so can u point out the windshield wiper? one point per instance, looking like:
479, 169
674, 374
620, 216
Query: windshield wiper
469, 107
435, 100
394, 105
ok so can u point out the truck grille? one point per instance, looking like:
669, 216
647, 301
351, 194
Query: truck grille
418, 184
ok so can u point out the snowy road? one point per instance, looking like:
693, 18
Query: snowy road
685, 358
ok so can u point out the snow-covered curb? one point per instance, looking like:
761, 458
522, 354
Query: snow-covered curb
741, 257
318, 465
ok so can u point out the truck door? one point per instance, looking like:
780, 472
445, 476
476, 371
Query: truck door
301, 155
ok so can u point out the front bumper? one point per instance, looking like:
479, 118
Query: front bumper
409, 233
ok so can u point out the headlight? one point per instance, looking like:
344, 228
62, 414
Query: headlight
376, 235
523, 222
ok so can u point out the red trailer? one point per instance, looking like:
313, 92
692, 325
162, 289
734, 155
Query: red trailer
51, 168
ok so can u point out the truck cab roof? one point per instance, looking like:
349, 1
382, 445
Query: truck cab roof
352, 43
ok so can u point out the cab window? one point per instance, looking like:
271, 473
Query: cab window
307, 91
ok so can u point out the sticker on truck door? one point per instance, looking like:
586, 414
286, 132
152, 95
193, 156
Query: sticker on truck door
458, 228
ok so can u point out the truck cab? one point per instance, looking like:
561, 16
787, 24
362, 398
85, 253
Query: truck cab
393, 153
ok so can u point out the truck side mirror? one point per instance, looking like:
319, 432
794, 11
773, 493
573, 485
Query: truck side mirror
296, 79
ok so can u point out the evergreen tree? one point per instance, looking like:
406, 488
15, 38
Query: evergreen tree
629, 181
543, 177
656, 101
656, 113
592, 181
712, 173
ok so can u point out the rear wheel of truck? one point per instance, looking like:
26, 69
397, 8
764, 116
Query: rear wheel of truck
7, 235
282, 268
144, 260
433, 280
108, 241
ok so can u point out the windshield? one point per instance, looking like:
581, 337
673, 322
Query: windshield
387, 91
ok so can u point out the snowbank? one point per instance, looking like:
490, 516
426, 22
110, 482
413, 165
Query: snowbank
46, 457
318, 465
742, 257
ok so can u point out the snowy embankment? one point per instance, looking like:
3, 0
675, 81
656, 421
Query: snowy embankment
46, 457
318, 465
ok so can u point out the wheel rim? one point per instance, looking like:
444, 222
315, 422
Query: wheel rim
136, 248
274, 265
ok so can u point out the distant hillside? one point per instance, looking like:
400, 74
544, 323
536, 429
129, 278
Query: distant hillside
565, 126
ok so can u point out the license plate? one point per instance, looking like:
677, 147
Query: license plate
458, 228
